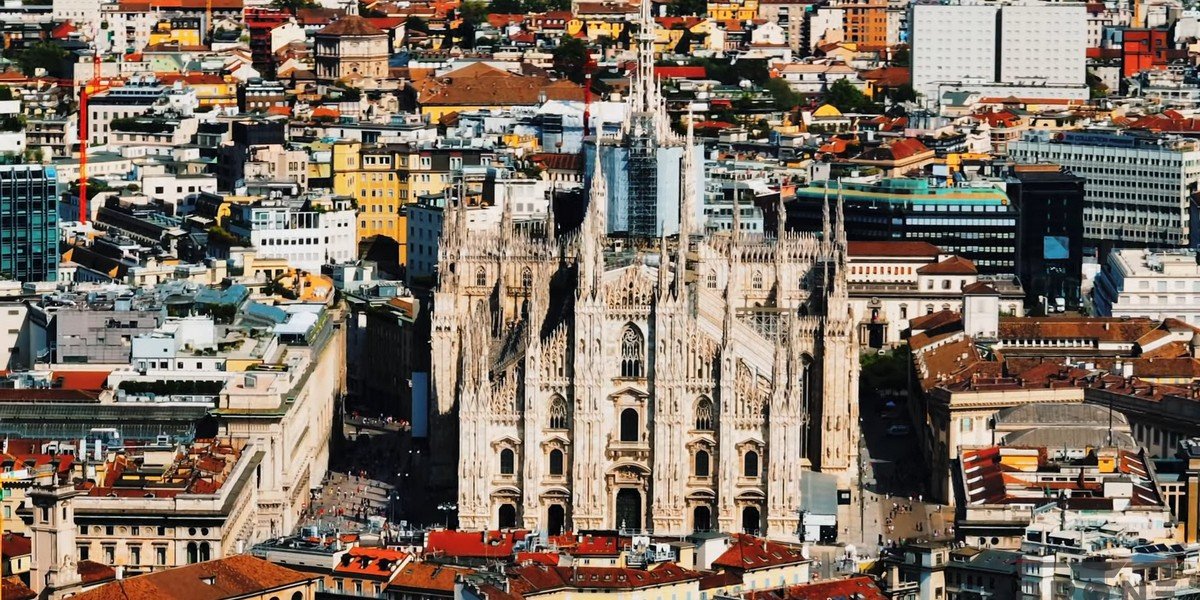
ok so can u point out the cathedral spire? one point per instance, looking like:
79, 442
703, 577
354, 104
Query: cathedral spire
841, 224
737, 212
591, 258
550, 227
780, 216
826, 229
460, 220
685, 205
506, 221
664, 260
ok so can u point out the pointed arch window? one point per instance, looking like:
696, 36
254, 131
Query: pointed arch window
750, 464
508, 461
633, 352
630, 425
704, 415
757, 281
526, 278
711, 280
480, 276
702, 460
558, 413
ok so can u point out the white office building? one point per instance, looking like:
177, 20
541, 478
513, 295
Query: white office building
1145, 283
1028, 51
306, 239
1138, 188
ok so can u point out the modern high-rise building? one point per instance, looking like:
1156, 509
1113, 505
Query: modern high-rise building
1049, 234
976, 223
1139, 188
1036, 51
28, 222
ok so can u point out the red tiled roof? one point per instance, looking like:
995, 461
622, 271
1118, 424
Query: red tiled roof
955, 265
82, 380
748, 553
385, 23
233, 577
15, 545
15, 589
558, 161
888, 77
325, 112
857, 588
370, 562
681, 72
427, 577
351, 26
545, 558
473, 544
542, 578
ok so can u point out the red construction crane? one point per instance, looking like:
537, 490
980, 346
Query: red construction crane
90, 87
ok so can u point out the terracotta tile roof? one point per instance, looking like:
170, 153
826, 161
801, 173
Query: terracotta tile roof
483, 85
979, 288
499, 20
370, 562
91, 572
472, 544
605, 8
934, 320
1097, 328
853, 588
427, 576
15, 545
558, 161
954, 265
351, 26
545, 558
232, 577
1152, 368
897, 150
539, 578
82, 380
888, 77
15, 589
893, 249
385, 23
1001, 118
748, 553
1167, 122
680, 72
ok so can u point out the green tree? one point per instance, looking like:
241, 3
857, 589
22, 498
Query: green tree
782, 94
845, 97
904, 93
901, 58
474, 11
42, 55
293, 6
506, 7
414, 23
571, 58
688, 8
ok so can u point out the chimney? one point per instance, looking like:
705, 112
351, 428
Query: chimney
120, 571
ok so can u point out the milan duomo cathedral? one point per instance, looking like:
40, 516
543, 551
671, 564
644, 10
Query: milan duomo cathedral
664, 385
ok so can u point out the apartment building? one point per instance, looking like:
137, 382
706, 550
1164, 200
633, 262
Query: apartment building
305, 234
1138, 189
1035, 50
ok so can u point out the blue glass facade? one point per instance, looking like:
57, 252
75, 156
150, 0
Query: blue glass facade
28, 222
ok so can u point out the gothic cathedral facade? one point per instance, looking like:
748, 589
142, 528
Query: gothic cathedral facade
663, 385
667, 386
